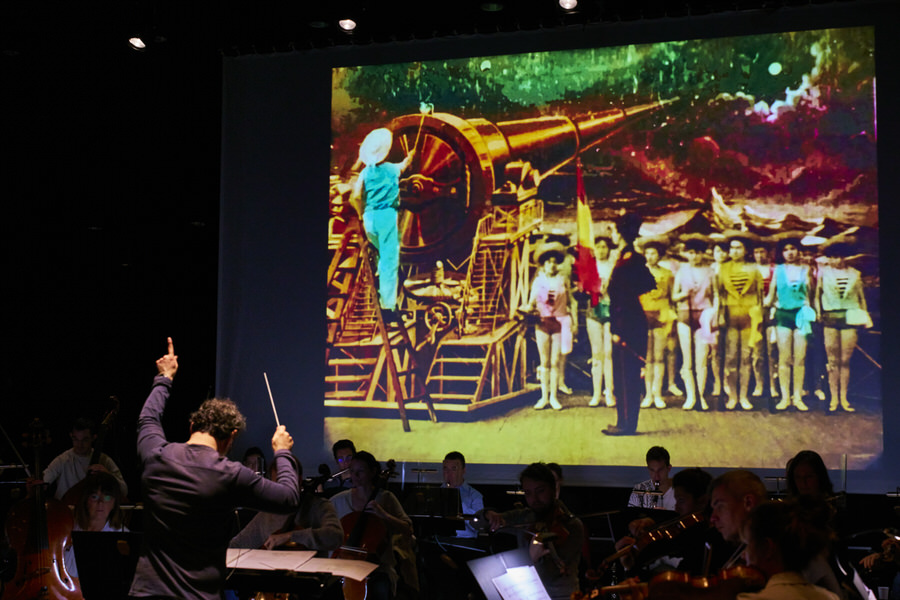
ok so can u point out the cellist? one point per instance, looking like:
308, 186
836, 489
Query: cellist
356, 507
73, 465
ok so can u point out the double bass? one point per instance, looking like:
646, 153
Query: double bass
39, 529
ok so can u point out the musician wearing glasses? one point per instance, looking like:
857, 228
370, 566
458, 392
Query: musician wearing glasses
97, 510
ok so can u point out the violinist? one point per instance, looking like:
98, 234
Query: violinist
886, 562
559, 536
315, 526
678, 544
73, 465
781, 539
366, 496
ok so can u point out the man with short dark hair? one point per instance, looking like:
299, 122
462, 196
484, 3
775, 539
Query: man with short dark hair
73, 465
471, 500
559, 535
191, 491
342, 451
656, 492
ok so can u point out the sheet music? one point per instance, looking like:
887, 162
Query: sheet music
340, 567
302, 561
521, 583
268, 560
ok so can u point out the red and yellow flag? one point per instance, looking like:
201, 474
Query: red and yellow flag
585, 264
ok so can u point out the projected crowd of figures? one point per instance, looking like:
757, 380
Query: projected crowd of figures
462, 189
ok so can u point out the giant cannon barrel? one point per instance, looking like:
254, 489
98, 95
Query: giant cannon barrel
461, 166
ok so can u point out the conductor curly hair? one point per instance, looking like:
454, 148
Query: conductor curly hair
218, 417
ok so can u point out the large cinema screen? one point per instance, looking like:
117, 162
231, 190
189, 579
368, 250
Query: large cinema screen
757, 150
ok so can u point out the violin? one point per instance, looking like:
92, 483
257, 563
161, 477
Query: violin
39, 529
677, 585
664, 532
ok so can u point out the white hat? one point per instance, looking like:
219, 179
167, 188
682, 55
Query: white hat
376, 146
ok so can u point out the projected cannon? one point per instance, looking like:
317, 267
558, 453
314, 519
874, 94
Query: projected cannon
462, 166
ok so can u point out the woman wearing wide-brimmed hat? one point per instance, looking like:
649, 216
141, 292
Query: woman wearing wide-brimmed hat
551, 298
376, 197
693, 293
790, 297
842, 307
740, 289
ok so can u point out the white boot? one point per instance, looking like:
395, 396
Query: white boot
544, 377
554, 383
597, 380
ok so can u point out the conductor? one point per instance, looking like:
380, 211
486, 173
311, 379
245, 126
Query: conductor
191, 490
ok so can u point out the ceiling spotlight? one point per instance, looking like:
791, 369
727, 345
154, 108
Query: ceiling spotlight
568, 4
347, 24
137, 43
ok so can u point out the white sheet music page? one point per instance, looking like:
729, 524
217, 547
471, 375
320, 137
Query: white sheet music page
340, 567
521, 583
267, 560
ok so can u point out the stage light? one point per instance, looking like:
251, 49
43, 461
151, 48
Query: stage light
347, 25
491, 6
137, 43
568, 4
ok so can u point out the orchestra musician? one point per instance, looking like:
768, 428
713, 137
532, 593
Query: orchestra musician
471, 500
342, 451
369, 498
782, 538
191, 491
97, 510
680, 544
559, 536
659, 467
315, 526
73, 465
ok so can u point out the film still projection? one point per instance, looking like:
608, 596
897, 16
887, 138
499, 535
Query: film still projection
468, 306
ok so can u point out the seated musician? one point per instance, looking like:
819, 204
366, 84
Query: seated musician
367, 498
471, 500
733, 495
73, 465
315, 526
680, 544
659, 466
97, 510
782, 538
559, 536
342, 451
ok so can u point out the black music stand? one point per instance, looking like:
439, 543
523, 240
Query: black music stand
106, 562
439, 507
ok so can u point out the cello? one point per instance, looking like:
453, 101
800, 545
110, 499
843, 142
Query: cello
365, 537
39, 529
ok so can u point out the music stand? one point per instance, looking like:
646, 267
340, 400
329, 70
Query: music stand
494, 565
106, 562
439, 507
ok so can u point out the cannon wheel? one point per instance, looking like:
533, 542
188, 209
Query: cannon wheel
444, 191
439, 317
